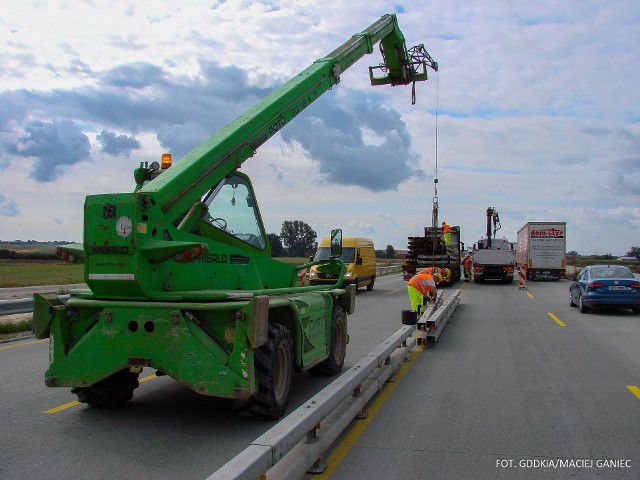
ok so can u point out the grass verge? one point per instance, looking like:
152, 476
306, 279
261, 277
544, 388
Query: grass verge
7, 330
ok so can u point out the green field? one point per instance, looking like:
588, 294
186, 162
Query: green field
24, 273
27, 273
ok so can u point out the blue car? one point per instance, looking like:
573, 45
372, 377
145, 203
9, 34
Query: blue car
605, 286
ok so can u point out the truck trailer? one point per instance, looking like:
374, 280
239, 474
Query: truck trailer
541, 250
430, 250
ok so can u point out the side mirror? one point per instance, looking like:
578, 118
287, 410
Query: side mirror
336, 243
359, 261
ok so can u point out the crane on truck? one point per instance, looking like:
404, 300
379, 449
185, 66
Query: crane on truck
493, 258
179, 272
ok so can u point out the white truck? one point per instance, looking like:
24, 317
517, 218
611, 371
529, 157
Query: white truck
541, 249
493, 258
493, 263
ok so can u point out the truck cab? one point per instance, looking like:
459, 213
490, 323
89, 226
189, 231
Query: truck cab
493, 260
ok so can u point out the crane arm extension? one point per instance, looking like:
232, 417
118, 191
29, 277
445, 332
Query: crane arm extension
189, 179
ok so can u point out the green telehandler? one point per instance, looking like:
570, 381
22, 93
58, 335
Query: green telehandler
179, 272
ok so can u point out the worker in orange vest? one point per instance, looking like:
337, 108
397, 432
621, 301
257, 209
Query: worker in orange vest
445, 273
466, 265
446, 230
433, 270
421, 286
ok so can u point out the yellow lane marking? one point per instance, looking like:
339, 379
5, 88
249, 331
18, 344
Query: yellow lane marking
635, 390
556, 319
341, 451
74, 403
529, 295
62, 407
392, 291
148, 377
24, 343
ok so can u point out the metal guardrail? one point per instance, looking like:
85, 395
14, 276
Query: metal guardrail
380, 271
19, 305
25, 305
296, 444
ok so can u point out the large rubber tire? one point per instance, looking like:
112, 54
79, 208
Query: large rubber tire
370, 286
583, 307
274, 373
338, 348
110, 392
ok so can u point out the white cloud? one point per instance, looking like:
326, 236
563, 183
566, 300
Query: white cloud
538, 111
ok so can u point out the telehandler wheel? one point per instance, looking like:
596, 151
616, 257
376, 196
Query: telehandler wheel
274, 372
338, 349
110, 392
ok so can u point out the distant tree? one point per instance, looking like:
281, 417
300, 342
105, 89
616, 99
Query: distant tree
277, 250
298, 237
391, 252
4, 253
634, 252
572, 253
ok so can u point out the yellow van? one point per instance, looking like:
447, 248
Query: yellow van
359, 257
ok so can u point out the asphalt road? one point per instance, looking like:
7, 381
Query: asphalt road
509, 392
505, 385
166, 431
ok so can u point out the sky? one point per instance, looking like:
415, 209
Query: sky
535, 110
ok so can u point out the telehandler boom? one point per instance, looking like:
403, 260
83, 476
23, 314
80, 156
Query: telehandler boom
179, 272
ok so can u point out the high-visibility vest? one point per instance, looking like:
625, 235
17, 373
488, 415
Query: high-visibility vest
446, 228
423, 282
432, 271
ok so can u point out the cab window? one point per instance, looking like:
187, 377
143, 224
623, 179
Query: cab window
232, 209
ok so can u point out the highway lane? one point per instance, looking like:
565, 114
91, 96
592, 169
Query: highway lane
506, 382
518, 383
166, 431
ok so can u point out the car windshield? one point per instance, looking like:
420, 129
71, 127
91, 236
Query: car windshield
611, 272
347, 256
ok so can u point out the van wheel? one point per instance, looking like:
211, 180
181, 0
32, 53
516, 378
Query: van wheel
338, 349
274, 373
370, 286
